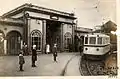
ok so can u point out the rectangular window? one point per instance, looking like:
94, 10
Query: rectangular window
86, 40
99, 40
92, 40
103, 40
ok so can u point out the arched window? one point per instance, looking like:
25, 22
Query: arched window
36, 39
67, 40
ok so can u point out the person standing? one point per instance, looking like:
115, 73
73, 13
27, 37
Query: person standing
47, 49
21, 61
34, 56
24, 47
55, 52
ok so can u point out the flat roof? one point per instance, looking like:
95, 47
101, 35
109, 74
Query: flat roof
31, 6
82, 29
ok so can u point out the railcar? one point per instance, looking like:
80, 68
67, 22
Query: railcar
96, 45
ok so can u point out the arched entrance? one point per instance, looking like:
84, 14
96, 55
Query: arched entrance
13, 42
68, 41
36, 39
53, 34
2, 36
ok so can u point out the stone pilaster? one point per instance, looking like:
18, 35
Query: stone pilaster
44, 36
62, 38
5, 46
73, 34
28, 35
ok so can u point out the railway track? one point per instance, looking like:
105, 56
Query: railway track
91, 68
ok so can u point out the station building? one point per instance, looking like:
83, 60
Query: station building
31, 24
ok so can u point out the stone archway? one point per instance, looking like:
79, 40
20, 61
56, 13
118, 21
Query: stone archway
2, 37
13, 42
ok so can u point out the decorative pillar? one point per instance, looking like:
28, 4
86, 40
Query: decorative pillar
28, 35
62, 43
73, 34
43, 36
21, 42
5, 46
25, 33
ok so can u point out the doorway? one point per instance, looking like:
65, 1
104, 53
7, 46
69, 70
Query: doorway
53, 33
13, 42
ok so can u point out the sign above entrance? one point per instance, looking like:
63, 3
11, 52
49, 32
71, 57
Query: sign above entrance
54, 17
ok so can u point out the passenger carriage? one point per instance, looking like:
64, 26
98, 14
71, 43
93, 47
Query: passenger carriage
96, 45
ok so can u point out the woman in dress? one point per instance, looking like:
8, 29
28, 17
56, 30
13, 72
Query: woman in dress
47, 48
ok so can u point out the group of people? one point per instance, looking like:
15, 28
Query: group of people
34, 56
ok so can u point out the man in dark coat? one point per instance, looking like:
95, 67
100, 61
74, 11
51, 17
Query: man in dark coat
55, 51
34, 56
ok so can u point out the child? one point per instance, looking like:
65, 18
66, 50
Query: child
21, 61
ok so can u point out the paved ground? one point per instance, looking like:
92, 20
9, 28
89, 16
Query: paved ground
73, 67
45, 65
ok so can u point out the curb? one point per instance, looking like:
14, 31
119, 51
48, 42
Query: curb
64, 69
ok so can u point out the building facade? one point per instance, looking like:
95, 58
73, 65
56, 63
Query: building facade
33, 25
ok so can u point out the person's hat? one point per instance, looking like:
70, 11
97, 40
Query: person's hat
34, 46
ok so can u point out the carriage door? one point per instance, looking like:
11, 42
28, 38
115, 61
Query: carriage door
67, 41
13, 43
36, 39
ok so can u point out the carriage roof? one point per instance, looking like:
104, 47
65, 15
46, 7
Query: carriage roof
96, 35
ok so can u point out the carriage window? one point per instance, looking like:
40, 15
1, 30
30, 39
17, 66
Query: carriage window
103, 40
99, 40
86, 40
92, 40
107, 40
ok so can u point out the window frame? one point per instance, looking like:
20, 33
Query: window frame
90, 41
98, 40
36, 38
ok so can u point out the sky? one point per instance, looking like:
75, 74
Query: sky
89, 13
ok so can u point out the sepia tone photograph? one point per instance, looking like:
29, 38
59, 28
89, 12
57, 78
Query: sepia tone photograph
58, 38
